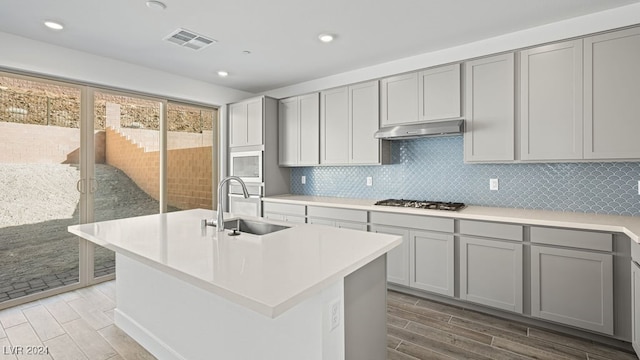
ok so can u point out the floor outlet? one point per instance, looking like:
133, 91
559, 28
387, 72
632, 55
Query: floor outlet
369, 181
493, 184
334, 313
303, 179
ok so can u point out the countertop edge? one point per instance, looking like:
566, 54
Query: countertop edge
628, 225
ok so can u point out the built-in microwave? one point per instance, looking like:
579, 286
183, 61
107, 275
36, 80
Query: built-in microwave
247, 165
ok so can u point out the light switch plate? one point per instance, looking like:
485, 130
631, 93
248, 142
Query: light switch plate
493, 184
303, 179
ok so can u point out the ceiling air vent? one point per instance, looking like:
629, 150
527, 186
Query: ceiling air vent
190, 39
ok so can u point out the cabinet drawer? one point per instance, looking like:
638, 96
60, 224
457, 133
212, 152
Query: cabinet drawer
413, 221
337, 214
635, 251
572, 238
292, 209
491, 229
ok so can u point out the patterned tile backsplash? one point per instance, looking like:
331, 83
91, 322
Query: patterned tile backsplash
433, 169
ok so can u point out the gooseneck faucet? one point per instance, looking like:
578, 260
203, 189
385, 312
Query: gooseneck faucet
220, 221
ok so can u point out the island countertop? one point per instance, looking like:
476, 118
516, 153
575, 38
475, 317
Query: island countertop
268, 274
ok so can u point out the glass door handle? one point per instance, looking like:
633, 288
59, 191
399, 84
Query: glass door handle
80, 186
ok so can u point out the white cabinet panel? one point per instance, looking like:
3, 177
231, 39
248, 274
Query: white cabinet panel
398, 258
612, 90
364, 119
439, 93
309, 125
551, 102
489, 109
491, 273
334, 126
288, 131
572, 287
299, 130
432, 262
399, 99
245, 123
254, 122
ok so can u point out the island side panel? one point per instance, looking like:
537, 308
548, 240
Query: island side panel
176, 320
365, 311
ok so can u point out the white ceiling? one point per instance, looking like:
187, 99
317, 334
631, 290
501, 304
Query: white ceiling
281, 34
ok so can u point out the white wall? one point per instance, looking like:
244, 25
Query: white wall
19, 53
606, 20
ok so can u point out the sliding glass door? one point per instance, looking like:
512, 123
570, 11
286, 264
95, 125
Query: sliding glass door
126, 167
72, 154
40, 187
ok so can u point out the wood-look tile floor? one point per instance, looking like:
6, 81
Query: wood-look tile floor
424, 329
78, 325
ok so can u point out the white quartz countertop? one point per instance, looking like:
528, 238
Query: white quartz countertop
629, 225
269, 274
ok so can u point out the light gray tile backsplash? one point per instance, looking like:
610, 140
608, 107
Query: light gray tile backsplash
433, 169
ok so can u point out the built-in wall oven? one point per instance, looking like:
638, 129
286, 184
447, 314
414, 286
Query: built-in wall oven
247, 165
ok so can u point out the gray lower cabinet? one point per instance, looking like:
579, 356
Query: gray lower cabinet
339, 224
336, 217
431, 265
635, 306
284, 212
491, 273
572, 287
398, 258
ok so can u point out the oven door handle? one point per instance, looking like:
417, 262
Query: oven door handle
242, 196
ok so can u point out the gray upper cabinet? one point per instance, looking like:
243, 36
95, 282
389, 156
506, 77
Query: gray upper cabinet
612, 90
364, 121
299, 130
349, 117
288, 131
334, 126
551, 102
245, 123
572, 287
489, 109
399, 99
432, 262
439, 93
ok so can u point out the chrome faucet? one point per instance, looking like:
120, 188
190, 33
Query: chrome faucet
220, 221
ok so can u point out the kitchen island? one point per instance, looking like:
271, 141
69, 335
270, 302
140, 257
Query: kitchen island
305, 292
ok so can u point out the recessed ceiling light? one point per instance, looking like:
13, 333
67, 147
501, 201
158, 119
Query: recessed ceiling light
326, 38
53, 25
223, 73
154, 4
246, 52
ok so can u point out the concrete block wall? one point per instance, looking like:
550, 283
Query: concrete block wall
42, 144
189, 178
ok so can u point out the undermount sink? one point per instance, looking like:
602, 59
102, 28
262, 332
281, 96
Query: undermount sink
253, 227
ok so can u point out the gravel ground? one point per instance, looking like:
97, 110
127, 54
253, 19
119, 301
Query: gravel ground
38, 202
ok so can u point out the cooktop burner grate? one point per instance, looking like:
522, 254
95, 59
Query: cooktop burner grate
422, 204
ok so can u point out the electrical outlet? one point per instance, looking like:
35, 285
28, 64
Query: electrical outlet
334, 314
369, 181
493, 184
303, 179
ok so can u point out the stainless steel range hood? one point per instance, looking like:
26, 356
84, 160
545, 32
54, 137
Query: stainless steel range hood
435, 128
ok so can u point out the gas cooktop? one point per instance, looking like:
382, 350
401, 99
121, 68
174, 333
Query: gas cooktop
422, 204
